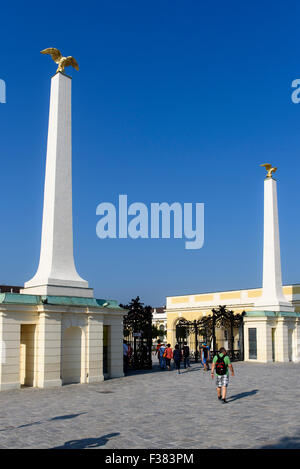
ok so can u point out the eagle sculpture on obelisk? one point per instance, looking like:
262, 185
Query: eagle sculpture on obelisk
272, 298
60, 60
270, 169
56, 274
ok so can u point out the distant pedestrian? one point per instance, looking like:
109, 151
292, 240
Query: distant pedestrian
200, 356
162, 358
205, 356
222, 364
129, 353
143, 352
168, 353
186, 355
177, 357
157, 348
125, 356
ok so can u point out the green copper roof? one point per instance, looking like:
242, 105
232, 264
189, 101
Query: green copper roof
19, 298
272, 314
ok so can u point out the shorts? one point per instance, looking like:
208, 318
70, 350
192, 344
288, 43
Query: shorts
222, 381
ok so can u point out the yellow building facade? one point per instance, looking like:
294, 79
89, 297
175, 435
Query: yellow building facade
276, 336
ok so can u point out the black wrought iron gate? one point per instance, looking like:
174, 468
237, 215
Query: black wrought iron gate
138, 336
204, 330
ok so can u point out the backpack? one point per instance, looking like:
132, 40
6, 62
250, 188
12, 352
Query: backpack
221, 367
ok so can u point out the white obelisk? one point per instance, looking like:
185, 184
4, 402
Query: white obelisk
272, 298
56, 274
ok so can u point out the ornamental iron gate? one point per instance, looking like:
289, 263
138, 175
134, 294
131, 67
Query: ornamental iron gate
204, 331
190, 331
137, 333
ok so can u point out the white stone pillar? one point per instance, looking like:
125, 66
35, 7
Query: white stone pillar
95, 348
116, 347
10, 332
263, 336
56, 274
49, 350
281, 352
297, 340
272, 298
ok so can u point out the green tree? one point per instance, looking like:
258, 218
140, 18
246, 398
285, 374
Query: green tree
157, 332
137, 329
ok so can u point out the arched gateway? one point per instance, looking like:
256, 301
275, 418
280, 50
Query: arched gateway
73, 363
222, 328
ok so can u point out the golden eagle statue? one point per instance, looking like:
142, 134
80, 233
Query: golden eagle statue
60, 60
269, 168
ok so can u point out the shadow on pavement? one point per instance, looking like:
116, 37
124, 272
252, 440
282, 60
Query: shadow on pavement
194, 367
39, 422
242, 394
66, 417
157, 369
87, 442
285, 443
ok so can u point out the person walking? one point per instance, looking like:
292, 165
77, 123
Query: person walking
168, 355
157, 348
200, 356
177, 358
222, 365
205, 356
129, 354
162, 358
125, 356
186, 355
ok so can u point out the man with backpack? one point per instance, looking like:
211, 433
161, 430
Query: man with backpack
222, 364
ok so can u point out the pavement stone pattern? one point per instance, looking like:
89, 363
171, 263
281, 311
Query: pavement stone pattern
159, 410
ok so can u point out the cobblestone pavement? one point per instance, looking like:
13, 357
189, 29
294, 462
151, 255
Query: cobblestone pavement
159, 409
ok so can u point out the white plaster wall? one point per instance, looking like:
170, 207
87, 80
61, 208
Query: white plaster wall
95, 348
28, 356
43, 339
73, 356
10, 333
116, 346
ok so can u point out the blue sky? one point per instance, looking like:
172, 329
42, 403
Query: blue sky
174, 101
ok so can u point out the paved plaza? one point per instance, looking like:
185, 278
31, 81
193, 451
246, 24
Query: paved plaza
159, 409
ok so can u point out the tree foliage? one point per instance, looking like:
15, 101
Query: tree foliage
138, 318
